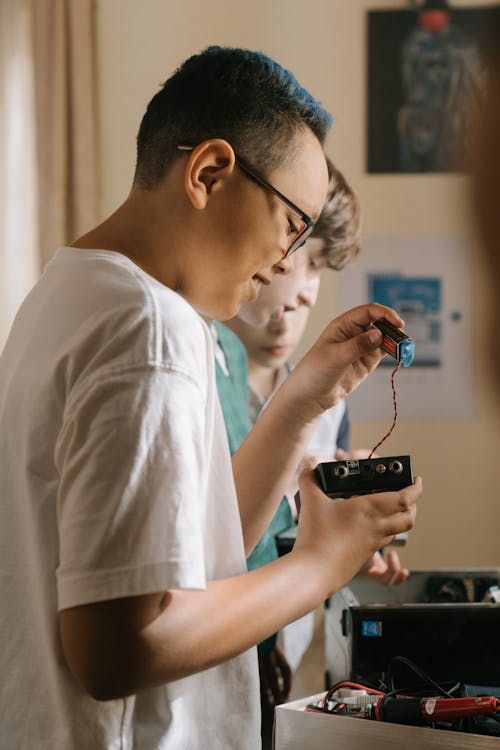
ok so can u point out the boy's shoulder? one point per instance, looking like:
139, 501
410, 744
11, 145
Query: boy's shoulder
108, 306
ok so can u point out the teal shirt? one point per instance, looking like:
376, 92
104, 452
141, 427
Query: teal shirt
232, 386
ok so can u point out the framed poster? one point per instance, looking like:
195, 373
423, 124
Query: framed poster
419, 301
427, 280
425, 72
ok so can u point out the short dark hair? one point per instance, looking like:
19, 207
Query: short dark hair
239, 95
339, 224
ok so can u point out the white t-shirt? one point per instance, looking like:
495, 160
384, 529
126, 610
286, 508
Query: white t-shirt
115, 480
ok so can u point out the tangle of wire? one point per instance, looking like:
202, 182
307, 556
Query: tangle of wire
395, 402
464, 724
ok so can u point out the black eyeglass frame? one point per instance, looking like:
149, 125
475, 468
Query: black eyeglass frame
256, 176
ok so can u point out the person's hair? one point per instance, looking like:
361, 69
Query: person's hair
339, 224
239, 95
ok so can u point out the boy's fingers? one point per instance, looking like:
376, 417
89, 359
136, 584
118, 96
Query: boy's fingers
392, 561
396, 511
350, 323
305, 479
398, 574
396, 523
308, 465
392, 503
410, 494
366, 344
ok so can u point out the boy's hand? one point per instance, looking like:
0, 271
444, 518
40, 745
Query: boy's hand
342, 357
386, 570
357, 454
339, 536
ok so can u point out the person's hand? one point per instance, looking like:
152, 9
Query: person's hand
344, 354
314, 458
337, 537
358, 454
275, 677
387, 570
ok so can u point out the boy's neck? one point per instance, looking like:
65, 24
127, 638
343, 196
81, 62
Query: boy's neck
262, 380
139, 230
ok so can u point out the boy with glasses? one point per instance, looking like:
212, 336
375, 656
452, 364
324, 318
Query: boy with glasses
127, 614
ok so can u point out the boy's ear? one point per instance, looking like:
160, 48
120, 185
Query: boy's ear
209, 165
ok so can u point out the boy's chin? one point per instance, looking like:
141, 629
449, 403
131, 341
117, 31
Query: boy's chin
215, 309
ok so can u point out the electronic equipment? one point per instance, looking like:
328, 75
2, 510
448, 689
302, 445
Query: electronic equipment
450, 642
466, 708
364, 476
395, 342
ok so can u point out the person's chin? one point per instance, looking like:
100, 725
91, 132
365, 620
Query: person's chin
272, 363
246, 310
273, 359
239, 306
227, 313
219, 309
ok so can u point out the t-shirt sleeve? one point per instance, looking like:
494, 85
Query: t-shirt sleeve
131, 498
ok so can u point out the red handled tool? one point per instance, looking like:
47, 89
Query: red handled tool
422, 711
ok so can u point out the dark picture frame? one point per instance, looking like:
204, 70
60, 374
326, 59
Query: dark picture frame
421, 83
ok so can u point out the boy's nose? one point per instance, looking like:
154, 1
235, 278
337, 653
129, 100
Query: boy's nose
277, 314
308, 295
284, 266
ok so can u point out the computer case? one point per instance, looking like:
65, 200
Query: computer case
449, 642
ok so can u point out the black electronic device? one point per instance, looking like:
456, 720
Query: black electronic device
364, 476
449, 642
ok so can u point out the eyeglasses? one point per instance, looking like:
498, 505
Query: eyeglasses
307, 224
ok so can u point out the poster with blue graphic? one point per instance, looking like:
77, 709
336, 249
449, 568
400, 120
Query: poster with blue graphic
419, 302
428, 281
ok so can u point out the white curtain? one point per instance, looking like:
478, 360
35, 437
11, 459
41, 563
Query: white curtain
64, 48
19, 254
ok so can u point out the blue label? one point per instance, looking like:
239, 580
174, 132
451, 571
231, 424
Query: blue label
371, 628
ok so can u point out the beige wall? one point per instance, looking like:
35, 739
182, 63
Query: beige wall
323, 42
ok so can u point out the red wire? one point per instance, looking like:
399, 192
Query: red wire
395, 402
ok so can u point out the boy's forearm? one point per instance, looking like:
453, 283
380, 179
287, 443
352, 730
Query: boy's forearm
120, 647
267, 461
233, 615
